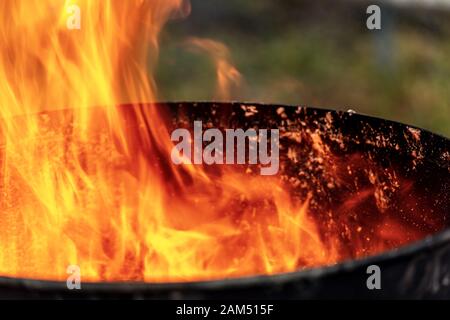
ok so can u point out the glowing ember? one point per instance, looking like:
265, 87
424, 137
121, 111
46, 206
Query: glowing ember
96, 187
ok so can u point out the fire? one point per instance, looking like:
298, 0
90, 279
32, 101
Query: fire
227, 75
80, 187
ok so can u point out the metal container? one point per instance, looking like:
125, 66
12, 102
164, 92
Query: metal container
420, 269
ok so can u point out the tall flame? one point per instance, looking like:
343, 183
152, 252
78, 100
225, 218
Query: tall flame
73, 204
102, 196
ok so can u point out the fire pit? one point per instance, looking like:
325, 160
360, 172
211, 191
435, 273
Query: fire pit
351, 191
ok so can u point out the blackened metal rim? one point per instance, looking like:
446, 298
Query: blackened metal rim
423, 245
429, 243
313, 108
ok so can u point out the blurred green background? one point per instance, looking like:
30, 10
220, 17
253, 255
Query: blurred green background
318, 53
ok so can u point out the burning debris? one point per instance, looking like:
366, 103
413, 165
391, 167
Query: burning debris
93, 184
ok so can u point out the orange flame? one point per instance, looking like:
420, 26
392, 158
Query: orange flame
96, 194
227, 75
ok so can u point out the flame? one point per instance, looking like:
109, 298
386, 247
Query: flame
227, 75
117, 224
79, 187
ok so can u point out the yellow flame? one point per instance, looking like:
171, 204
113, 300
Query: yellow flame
78, 187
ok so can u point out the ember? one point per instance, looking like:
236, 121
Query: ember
87, 177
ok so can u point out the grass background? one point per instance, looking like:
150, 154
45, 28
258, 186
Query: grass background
318, 53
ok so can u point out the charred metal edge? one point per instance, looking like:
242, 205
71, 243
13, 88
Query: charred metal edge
199, 289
